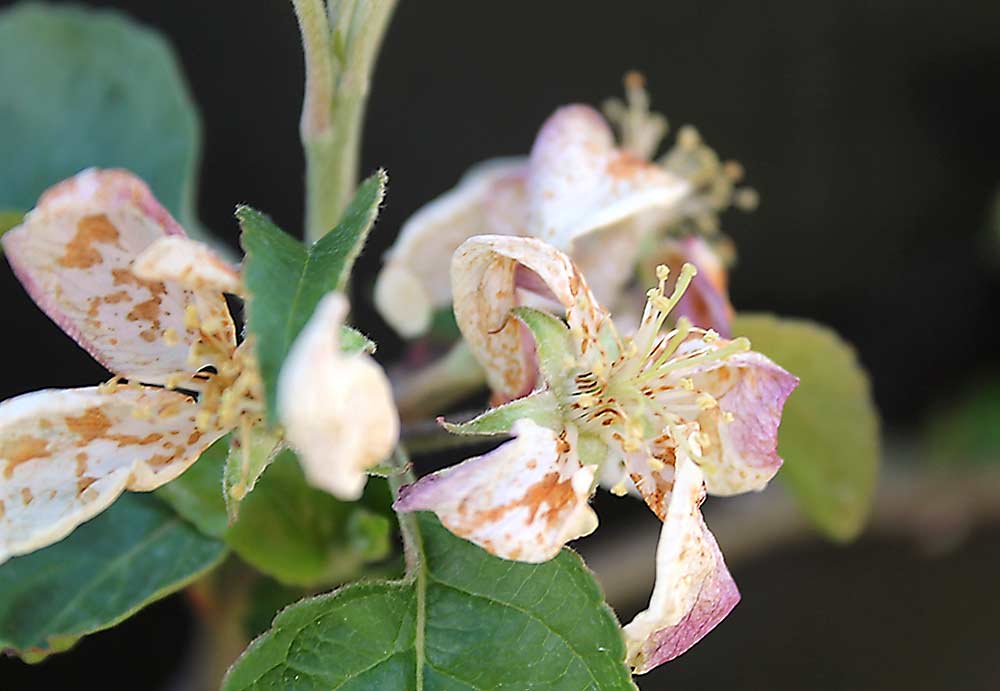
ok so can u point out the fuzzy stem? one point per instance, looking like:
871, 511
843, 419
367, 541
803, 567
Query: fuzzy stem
339, 58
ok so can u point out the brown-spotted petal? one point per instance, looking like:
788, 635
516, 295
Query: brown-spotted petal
741, 453
188, 263
336, 408
66, 455
491, 275
579, 181
414, 281
74, 255
693, 590
522, 501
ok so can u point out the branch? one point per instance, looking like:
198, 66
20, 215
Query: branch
339, 62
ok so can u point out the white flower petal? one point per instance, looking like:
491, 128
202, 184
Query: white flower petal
66, 455
693, 590
413, 282
336, 408
74, 253
189, 263
485, 274
524, 500
580, 182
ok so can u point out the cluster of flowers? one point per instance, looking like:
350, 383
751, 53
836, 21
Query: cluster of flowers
661, 404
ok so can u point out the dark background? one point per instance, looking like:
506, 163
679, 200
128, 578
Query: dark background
870, 130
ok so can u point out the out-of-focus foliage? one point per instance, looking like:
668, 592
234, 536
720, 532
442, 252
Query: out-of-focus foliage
967, 430
80, 88
287, 529
829, 431
134, 553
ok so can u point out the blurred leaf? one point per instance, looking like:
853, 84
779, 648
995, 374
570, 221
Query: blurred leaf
245, 462
135, 553
463, 620
829, 430
287, 529
968, 430
301, 535
286, 280
353, 341
9, 219
82, 88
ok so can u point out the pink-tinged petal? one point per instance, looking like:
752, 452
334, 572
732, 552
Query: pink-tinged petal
693, 590
706, 301
742, 450
336, 408
492, 274
65, 456
74, 253
580, 182
522, 501
608, 259
189, 263
414, 281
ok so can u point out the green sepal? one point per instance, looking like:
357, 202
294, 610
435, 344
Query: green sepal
540, 406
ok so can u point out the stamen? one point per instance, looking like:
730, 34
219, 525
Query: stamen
640, 130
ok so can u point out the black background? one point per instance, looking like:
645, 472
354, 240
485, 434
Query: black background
870, 130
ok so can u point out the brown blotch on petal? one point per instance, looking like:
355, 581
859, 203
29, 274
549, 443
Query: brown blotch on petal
92, 425
83, 483
26, 496
80, 252
21, 450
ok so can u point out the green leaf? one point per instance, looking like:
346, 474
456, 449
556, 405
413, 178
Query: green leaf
286, 280
967, 431
136, 552
81, 88
829, 431
245, 462
301, 535
540, 406
462, 620
287, 529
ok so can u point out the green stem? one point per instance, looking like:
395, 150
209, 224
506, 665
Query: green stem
413, 548
340, 50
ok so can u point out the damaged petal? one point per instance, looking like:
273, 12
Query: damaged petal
66, 455
189, 263
74, 253
693, 590
412, 284
336, 408
491, 275
522, 501
751, 392
580, 182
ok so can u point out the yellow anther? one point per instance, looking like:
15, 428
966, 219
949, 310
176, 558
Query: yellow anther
711, 336
619, 490
170, 337
704, 440
142, 412
728, 417
687, 383
706, 401
662, 272
203, 420
655, 464
191, 320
